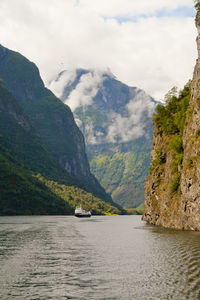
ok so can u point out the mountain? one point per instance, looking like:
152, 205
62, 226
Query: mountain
116, 121
19, 138
21, 152
31, 181
172, 187
52, 120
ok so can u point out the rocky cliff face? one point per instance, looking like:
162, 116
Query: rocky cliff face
52, 120
172, 191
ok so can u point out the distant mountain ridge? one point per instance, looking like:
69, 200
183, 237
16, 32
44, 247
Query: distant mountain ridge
116, 121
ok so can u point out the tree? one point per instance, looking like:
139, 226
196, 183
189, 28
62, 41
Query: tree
197, 4
172, 93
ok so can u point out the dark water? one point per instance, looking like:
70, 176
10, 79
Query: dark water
97, 258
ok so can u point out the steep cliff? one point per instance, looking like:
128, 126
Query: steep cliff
116, 121
52, 120
172, 190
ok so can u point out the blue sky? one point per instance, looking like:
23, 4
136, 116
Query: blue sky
179, 12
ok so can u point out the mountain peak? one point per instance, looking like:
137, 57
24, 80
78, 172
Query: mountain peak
97, 95
87, 80
3, 51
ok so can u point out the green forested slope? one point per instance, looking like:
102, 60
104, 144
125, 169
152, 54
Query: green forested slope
123, 174
22, 192
31, 182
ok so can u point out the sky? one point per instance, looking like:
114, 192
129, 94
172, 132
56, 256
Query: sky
147, 44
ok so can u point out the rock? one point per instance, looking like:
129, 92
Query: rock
179, 209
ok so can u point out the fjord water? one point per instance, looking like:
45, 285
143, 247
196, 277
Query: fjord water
97, 258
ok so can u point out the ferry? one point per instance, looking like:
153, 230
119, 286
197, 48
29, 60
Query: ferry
81, 213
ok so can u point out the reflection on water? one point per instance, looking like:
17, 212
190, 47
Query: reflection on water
97, 258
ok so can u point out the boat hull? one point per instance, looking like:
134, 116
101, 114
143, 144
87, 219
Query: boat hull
83, 215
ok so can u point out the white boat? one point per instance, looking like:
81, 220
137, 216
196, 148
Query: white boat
81, 213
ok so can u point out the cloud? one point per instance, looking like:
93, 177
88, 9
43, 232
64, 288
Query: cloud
130, 7
85, 90
154, 52
129, 124
90, 137
133, 126
123, 129
64, 78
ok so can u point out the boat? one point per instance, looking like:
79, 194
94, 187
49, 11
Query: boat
81, 213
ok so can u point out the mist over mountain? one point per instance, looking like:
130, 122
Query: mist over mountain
116, 121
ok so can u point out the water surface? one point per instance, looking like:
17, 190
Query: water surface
96, 258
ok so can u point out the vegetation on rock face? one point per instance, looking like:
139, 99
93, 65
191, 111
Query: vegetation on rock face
160, 158
197, 4
169, 121
175, 183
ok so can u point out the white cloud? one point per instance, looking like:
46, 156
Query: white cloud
85, 90
90, 138
57, 85
152, 53
123, 129
132, 126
